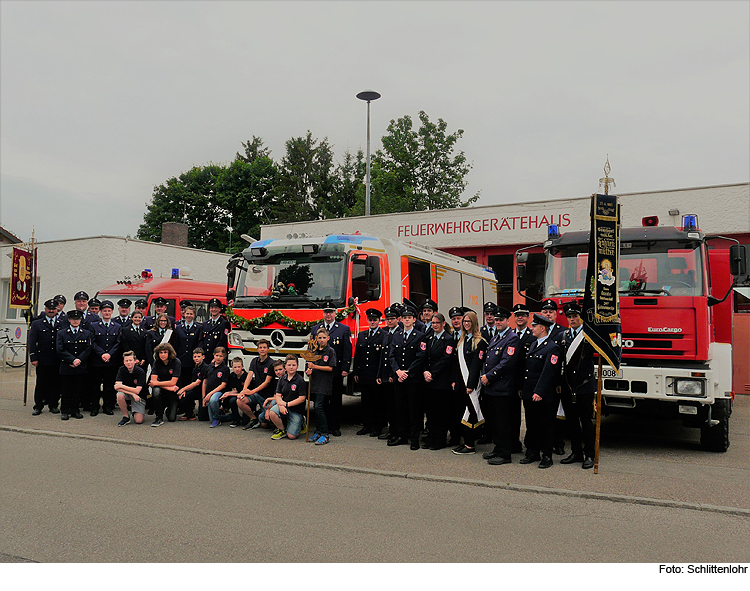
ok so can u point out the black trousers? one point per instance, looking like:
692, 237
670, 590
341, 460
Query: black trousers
578, 419
409, 409
73, 387
388, 393
164, 403
498, 411
332, 404
436, 401
456, 407
102, 385
47, 389
373, 406
540, 419
515, 417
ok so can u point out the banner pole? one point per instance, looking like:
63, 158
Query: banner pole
29, 318
598, 416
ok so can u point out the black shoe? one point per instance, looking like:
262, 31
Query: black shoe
396, 441
414, 445
587, 463
437, 446
36, 412
77, 415
484, 439
94, 413
545, 463
386, 435
559, 450
364, 431
54, 410
572, 459
235, 424
488, 455
336, 433
529, 459
426, 445
64, 416
108, 411
517, 448
498, 461
462, 450
375, 433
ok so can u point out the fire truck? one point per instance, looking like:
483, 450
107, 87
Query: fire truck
279, 286
675, 286
180, 286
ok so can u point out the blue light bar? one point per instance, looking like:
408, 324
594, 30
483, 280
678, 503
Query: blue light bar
175, 273
553, 231
689, 222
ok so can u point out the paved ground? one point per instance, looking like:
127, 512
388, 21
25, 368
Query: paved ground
81, 500
639, 459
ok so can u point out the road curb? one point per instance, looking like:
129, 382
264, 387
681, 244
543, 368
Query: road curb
615, 498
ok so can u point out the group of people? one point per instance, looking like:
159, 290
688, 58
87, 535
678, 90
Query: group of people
470, 381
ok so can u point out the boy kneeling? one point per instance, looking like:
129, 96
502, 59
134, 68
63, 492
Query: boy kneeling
128, 384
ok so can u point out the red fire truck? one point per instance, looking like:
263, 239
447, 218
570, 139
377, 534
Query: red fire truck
178, 287
676, 311
279, 286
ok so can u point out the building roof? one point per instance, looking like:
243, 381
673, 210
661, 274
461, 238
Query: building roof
12, 238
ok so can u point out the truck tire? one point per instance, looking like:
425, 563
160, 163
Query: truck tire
716, 438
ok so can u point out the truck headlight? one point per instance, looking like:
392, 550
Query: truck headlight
235, 339
688, 387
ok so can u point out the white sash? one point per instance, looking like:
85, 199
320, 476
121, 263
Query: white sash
474, 395
164, 339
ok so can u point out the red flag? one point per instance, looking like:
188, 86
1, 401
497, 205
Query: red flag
20, 279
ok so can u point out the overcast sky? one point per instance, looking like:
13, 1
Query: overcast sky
101, 101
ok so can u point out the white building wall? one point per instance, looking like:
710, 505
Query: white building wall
723, 209
90, 264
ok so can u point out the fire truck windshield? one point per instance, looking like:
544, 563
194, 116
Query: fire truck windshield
291, 280
656, 268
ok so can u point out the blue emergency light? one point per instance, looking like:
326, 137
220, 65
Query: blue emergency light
689, 222
175, 273
553, 231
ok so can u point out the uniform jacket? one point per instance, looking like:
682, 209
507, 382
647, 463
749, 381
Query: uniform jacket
408, 354
215, 334
501, 364
440, 356
149, 322
154, 337
368, 355
341, 342
43, 341
385, 371
189, 339
485, 332
126, 322
105, 340
474, 358
527, 340
71, 347
130, 340
542, 370
579, 372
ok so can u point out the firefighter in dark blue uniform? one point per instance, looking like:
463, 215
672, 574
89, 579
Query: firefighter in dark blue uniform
385, 373
73, 345
489, 331
406, 356
160, 307
549, 311
367, 356
579, 387
42, 345
215, 329
439, 376
426, 311
499, 380
190, 336
104, 362
523, 330
541, 377
123, 317
341, 342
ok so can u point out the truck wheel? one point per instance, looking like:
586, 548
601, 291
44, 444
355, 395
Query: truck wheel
716, 438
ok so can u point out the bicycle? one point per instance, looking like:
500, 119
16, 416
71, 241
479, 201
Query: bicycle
14, 352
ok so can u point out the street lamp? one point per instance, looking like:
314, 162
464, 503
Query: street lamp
368, 95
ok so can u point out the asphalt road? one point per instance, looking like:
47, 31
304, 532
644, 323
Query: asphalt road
89, 491
74, 500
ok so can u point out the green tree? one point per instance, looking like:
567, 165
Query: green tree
418, 169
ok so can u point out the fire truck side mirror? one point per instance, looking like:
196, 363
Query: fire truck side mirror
372, 276
737, 260
521, 258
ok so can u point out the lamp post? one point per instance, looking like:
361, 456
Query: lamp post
368, 95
